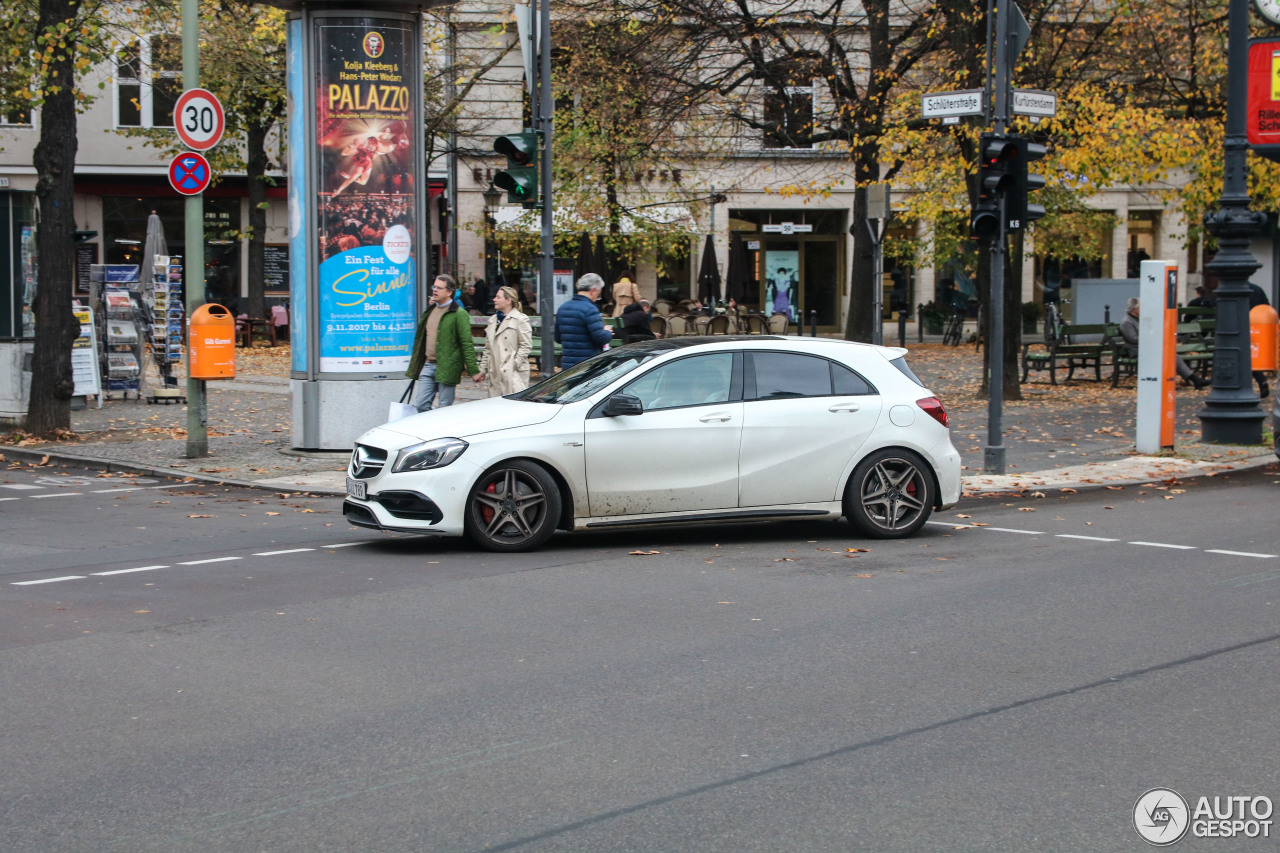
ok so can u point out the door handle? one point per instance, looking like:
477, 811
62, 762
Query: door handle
845, 407
716, 416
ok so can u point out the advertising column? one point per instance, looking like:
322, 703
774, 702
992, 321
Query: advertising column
356, 218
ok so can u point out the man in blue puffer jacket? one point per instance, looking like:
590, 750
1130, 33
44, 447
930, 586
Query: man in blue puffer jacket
579, 329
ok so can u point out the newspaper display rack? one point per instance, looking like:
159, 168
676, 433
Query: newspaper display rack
166, 325
122, 326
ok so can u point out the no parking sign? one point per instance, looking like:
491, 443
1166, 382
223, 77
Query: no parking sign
189, 173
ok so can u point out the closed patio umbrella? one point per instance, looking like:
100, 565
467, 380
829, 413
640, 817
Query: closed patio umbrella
586, 256
736, 284
709, 275
602, 269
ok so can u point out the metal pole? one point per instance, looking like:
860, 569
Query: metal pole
193, 260
546, 111
1230, 414
993, 454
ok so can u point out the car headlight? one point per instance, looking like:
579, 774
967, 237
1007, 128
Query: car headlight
436, 453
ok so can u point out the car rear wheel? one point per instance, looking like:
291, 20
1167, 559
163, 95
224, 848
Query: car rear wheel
513, 507
890, 495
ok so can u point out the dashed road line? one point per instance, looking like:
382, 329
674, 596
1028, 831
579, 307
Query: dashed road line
56, 495
186, 563
1240, 554
961, 526
49, 580
127, 571
17, 486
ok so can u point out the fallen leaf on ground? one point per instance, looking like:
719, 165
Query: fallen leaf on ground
632, 553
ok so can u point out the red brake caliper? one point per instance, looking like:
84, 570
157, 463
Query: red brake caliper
487, 511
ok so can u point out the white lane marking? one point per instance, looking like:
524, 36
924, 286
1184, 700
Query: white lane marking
174, 486
277, 553
10, 499
213, 560
1165, 545
126, 571
19, 486
1011, 530
1241, 554
342, 545
56, 495
109, 491
1090, 538
50, 580
954, 525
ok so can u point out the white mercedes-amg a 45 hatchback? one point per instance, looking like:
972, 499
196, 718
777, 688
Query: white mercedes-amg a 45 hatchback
689, 430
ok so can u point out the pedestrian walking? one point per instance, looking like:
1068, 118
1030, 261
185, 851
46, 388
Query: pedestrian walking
442, 346
625, 292
508, 340
579, 329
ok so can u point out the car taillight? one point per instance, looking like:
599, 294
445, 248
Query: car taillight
933, 408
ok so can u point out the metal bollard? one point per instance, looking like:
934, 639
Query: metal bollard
902, 329
1106, 313
813, 323
920, 323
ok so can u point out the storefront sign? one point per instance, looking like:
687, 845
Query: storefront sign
364, 132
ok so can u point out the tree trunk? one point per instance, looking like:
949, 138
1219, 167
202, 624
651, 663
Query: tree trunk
256, 170
49, 408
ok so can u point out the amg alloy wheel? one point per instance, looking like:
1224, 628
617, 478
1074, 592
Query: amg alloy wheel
890, 494
513, 507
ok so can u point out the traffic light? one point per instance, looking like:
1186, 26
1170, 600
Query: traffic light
997, 157
520, 179
1018, 211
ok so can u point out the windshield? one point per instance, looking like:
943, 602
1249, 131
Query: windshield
584, 379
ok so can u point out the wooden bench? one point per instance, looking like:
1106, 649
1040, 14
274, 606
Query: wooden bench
1071, 349
1194, 347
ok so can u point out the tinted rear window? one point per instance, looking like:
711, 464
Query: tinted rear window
901, 363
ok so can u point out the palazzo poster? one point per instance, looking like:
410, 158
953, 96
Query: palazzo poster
367, 184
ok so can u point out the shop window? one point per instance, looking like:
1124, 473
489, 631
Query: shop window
148, 81
674, 274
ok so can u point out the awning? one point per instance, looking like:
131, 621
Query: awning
564, 219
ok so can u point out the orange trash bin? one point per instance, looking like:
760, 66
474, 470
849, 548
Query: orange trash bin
1263, 322
212, 339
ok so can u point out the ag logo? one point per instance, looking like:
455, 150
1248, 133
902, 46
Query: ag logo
1161, 817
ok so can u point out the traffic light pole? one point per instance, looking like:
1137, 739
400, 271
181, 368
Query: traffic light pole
545, 123
993, 454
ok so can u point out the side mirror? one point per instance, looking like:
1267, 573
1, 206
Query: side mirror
623, 404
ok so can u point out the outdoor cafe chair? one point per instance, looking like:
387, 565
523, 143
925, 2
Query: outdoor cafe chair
677, 324
778, 324
717, 325
658, 325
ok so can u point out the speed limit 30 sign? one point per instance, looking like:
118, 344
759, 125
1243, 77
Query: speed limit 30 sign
198, 118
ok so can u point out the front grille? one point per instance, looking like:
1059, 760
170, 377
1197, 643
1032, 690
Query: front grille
367, 462
359, 516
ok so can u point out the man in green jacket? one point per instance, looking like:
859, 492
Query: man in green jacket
441, 348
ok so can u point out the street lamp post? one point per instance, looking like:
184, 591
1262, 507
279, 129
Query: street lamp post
492, 198
1231, 414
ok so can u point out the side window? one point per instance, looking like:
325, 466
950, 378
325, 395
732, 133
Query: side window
845, 382
687, 382
779, 376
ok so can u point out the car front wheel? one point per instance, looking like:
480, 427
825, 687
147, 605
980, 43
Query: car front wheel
890, 495
513, 507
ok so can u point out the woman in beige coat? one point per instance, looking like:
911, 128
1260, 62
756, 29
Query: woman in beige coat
625, 292
508, 339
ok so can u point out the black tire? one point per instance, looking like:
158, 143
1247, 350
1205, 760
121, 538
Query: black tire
890, 495
513, 507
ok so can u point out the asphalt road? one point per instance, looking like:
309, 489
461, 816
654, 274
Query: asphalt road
195, 668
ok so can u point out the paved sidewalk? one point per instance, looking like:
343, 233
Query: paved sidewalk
1078, 435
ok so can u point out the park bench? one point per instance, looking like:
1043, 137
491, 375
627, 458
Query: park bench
1076, 345
1195, 347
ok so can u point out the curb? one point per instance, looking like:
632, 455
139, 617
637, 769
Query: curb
116, 466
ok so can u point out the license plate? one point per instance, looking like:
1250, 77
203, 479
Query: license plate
357, 488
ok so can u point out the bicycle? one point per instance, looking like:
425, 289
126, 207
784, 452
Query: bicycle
955, 329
